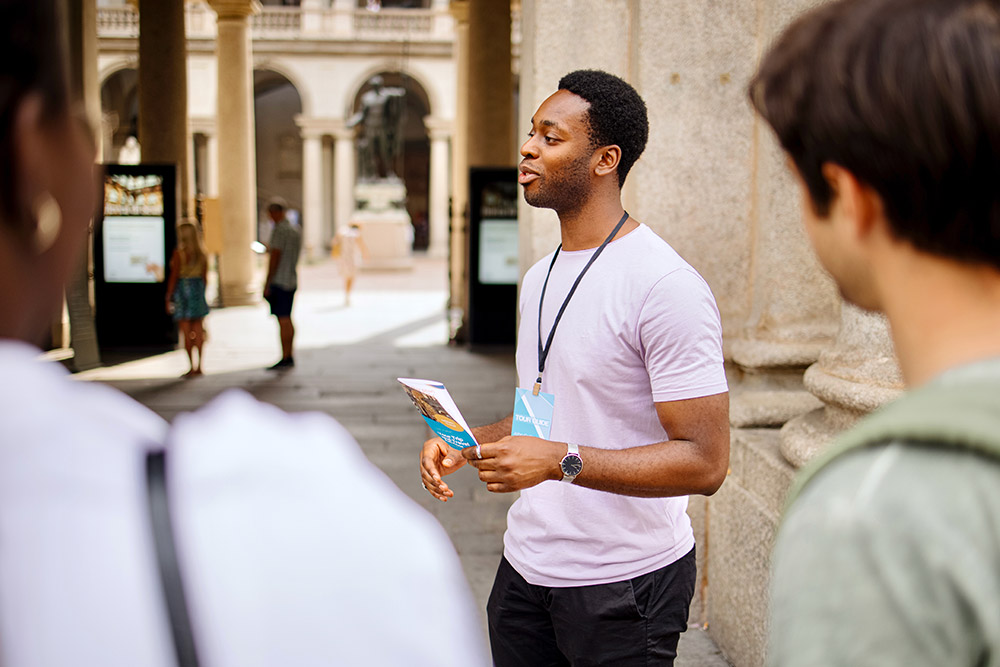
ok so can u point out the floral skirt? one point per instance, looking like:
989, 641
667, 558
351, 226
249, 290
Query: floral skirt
189, 299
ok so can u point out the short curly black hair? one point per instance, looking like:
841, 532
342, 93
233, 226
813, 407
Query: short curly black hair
617, 114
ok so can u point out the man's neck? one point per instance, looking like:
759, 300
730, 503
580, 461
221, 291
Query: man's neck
943, 314
588, 226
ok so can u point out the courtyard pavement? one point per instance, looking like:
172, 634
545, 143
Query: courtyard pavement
347, 360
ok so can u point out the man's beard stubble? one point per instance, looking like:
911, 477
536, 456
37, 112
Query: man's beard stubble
566, 192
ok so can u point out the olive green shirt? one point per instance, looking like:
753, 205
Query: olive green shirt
890, 552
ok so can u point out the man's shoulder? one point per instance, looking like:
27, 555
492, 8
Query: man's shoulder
901, 480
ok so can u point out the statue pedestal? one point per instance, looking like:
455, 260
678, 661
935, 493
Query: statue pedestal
385, 225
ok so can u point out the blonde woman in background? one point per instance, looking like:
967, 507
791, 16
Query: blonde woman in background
349, 249
186, 291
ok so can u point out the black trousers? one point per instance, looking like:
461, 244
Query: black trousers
632, 622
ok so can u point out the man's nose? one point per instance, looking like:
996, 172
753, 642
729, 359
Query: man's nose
528, 148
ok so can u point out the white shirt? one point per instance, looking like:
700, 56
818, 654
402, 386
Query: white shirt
642, 328
294, 549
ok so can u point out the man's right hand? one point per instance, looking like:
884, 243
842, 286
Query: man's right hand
436, 460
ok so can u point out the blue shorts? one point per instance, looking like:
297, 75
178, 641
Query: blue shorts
280, 300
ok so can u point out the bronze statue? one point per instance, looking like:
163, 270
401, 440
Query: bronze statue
380, 138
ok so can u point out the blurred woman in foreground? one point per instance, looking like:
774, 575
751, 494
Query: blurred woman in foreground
279, 564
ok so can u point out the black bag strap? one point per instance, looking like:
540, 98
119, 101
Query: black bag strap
166, 558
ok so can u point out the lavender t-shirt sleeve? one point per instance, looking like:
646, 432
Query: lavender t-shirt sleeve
680, 337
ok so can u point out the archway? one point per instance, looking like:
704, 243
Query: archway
278, 141
414, 161
120, 111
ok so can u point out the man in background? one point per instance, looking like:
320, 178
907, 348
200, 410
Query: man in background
889, 553
282, 277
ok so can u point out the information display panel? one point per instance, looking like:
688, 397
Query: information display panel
494, 268
134, 237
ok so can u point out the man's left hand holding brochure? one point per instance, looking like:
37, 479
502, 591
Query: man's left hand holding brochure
439, 411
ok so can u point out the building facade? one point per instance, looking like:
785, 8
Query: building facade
311, 63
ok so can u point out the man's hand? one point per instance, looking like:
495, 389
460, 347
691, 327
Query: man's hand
436, 460
517, 462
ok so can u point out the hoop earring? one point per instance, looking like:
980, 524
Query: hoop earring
48, 222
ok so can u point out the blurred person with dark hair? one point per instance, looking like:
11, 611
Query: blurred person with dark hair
282, 277
889, 111
233, 537
620, 341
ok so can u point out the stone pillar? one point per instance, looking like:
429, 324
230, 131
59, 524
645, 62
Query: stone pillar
459, 261
490, 92
237, 163
794, 307
343, 176
81, 24
312, 188
855, 376
163, 106
437, 214
327, 189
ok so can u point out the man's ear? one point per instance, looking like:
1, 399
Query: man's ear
608, 159
859, 204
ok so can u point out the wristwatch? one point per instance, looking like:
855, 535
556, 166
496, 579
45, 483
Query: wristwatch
571, 464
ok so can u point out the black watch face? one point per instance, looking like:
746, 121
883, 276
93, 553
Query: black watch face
572, 465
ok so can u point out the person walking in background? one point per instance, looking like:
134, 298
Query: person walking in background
621, 377
186, 292
233, 536
349, 249
282, 277
889, 551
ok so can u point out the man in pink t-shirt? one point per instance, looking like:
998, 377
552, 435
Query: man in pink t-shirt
621, 378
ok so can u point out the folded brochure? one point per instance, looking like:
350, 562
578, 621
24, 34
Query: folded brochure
439, 411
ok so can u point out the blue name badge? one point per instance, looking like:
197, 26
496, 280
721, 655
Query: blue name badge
532, 414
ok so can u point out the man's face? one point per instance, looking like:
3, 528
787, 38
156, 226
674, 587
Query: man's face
835, 243
556, 167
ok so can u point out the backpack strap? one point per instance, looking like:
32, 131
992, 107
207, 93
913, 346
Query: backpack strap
166, 558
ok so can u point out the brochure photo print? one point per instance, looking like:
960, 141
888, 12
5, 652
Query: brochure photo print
439, 411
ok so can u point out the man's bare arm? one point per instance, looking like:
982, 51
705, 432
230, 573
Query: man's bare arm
694, 460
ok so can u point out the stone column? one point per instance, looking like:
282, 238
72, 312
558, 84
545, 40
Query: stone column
794, 308
490, 92
437, 214
237, 163
81, 27
327, 189
163, 105
343, 175
459, 262
312, 188
855, 376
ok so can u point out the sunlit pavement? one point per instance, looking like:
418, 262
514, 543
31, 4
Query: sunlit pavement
347, 361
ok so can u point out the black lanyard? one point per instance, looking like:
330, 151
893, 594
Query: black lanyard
543, 352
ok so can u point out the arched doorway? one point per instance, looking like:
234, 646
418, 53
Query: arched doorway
414, 161
278, 141
120, 112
